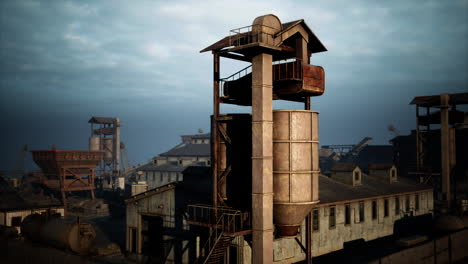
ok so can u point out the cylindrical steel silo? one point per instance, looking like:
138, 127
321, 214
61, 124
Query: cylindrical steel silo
295, 168
94, 143
108, 147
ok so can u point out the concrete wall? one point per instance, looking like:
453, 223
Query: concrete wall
326, 239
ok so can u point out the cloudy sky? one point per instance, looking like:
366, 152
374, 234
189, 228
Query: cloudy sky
62, 62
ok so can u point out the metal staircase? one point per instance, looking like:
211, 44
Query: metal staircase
224, 223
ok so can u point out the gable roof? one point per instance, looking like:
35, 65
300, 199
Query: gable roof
315, 45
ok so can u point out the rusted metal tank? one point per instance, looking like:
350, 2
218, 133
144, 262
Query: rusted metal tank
94, 143
69, 234
31, 226
234, 160
295, 168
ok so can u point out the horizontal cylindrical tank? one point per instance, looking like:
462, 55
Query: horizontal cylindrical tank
94, 143
108, 147
69, 234
295, 168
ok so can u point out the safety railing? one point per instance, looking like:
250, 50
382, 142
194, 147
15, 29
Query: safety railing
289, 70
225, 219
245, 35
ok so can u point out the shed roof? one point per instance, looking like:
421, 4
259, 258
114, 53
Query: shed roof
149, 193
332, 191
434, 100
344, 166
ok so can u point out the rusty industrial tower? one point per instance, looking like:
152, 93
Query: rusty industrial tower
265, 165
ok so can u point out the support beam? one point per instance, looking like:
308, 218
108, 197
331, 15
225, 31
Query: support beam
262, 159
445, 148
214, 128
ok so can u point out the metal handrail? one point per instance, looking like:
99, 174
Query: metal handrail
287, 71
250, 36
232, 221
238, 73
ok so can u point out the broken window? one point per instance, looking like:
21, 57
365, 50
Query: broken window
361, 211
397, 205
416, 202
315, 220
386, 207
331, 217
374, 209
347, 214
407, 203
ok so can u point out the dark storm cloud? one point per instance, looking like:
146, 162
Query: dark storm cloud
64, 61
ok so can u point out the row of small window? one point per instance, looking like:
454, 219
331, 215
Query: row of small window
175, 176
347, 215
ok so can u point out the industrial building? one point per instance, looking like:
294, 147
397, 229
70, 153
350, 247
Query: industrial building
156, 223
16, 205
348, 211
194, 150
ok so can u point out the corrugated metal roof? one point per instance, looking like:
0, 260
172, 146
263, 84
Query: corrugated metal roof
344, 166
101, 120
149, 193
170, 166
380, 166
332, 191
191, 150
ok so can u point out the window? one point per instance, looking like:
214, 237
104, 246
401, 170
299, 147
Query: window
361, 211
356, 175
315, 220
385, 207
374, 210
397, 205
407, 203
416, 202
16, 221
347, 214
331, 219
